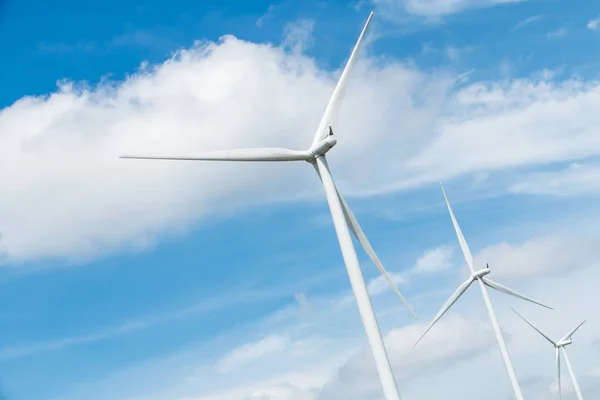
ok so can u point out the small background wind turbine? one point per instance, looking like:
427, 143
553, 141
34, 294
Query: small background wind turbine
559, 347
324, 140
484, 282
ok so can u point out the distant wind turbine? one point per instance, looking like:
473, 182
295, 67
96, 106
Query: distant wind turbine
484, 283
560, 346
342, 216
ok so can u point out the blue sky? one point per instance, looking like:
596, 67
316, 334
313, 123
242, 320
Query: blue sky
126, 279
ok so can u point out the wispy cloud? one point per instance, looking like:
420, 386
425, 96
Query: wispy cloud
326, 358
549, 254
432, 260
560, 32
234, 298
594, 24
266, 16
575, 179
53, 345
298, 35
246, 353
438, 8
528, 21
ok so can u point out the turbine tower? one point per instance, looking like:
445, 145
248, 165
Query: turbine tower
560, 346
324, 140
484, 282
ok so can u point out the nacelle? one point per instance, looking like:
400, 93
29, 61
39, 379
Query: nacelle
564, 343
481, 273
323, 146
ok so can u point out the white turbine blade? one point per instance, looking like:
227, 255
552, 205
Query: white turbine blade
570, 334
461, 239
558, 373
364, 242
572, 373
534, 327
455, 296
335, 101
362, 239
258, 154
504, 289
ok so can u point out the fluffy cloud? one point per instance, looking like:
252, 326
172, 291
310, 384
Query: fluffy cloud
320, 353
433, 260
412, 128
594, 24
216, 95
444, 345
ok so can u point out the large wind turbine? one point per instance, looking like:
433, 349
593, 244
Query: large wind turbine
560, 346
324, 140
484, 282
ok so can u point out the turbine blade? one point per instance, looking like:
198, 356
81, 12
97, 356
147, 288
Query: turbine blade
257, 154
364, 242
461, 239
534, 327
572, 373
558, 373
568, 335
504, 289
455, 296
335, 101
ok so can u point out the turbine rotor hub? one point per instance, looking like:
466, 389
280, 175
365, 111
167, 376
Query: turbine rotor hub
321, 148
564, 343
481, 273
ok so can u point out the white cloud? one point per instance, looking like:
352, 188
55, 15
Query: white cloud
543, 254
326, 356
379, 285
594, 24
453, 53
235, 93
436, 8
444, 345
280, 392
555, 34
215, 95
528, 21
503, 126
250, 351
575, 179
298, 35
432, 260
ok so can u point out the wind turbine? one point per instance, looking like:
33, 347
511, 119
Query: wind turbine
324, 140
484, 282
560, 346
